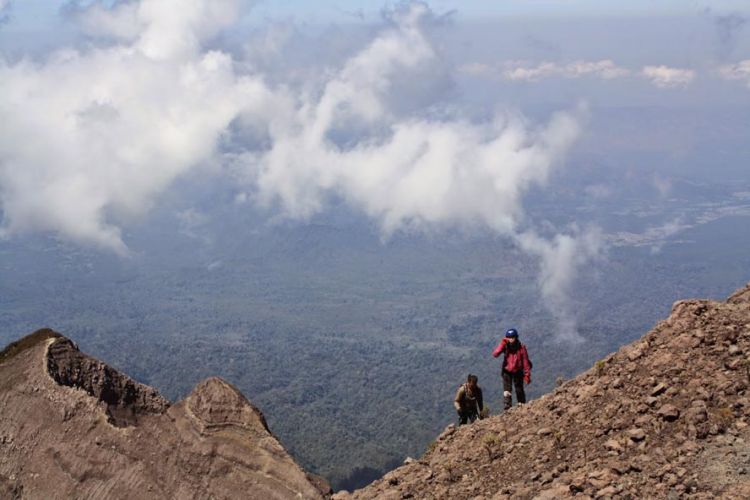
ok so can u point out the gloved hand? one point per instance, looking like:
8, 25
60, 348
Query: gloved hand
481, 415
527, 379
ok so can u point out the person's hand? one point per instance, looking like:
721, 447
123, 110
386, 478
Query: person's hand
527, 379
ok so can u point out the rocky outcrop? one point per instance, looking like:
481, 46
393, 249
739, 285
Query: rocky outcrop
73, 427
125, 398
664, 417
217, 404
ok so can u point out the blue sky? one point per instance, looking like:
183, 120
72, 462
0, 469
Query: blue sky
474, 8
35, 13
35, 23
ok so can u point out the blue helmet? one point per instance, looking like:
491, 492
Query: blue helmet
511, 333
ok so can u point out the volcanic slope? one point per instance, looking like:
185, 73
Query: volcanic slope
73, 427
664, 417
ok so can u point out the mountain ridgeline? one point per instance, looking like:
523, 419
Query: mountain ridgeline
664, 417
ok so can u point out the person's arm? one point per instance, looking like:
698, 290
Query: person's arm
499, 349
480, 401
526, 365
459, 398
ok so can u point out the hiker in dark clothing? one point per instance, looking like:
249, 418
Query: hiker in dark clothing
516, 367
469, 404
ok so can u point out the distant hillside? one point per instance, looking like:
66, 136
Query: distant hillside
664, 417
73, 427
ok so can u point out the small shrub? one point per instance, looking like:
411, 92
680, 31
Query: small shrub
599, 368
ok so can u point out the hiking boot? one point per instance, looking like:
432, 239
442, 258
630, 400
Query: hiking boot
507, 400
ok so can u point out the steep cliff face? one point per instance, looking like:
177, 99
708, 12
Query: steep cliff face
664, 417
124, 398
73, 427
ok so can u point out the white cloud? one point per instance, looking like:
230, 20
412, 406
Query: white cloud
418, 173
160, 28
87, 138
661, 76
666, 77
561, 258
121, 21
90, 138
531, 73
604, 69
410, 172
737, 71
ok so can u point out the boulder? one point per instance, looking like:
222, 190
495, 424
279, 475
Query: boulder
637, 434
669, 412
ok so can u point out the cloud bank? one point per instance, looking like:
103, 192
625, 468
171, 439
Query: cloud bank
90, 138
605, 69
666, 77
738, 71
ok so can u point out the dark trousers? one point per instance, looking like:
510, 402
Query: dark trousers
511, 380
465, 416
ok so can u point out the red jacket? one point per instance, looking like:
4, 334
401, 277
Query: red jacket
515, 360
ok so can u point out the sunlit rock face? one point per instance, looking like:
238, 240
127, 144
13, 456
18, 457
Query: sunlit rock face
74, 427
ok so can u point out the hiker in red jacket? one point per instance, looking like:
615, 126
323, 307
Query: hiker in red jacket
516, 367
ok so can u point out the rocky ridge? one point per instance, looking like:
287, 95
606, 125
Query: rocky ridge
664, 417
73, 427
